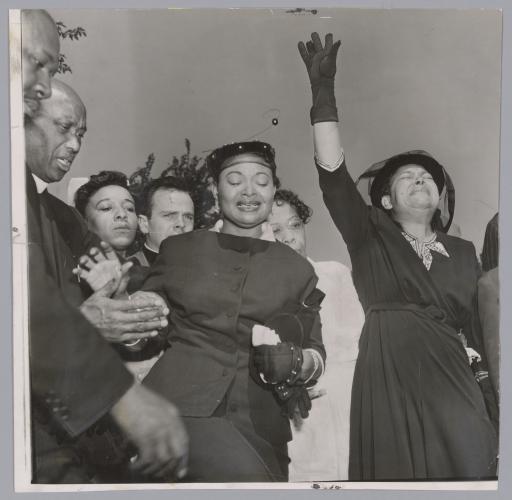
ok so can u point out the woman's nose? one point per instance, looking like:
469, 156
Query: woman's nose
121, 213
248, 189
288, 237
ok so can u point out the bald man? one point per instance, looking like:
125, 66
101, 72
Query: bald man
76, 377
40, 57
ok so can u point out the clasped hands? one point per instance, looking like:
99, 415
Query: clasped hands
122, 318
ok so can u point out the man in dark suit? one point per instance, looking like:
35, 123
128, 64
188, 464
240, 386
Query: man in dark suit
76, 377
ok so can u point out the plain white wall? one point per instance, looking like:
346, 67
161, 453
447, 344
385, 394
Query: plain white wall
422, 79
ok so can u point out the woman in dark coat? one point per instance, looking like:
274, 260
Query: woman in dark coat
417, 411
236, 394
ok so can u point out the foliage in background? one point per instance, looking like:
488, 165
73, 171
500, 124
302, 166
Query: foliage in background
72, 34
191, 168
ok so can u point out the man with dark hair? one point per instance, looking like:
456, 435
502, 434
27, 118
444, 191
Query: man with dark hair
166, 208
76, 378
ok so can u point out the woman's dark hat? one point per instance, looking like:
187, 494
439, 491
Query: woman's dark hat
378, 176
384, 170
215, 161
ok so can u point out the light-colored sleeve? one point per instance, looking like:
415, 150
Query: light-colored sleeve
329, 153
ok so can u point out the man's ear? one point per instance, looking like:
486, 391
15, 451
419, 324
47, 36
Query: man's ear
386, 202
143, 224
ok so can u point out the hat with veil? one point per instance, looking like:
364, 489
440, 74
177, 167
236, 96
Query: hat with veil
374, 181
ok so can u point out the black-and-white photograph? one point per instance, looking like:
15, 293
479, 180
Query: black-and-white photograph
256, 246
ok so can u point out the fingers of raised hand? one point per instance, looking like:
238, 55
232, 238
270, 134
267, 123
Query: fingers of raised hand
126, 267
335, 47
317, 43
96, 254
85, 262
310, 46
109, 252
303, 51
328, 42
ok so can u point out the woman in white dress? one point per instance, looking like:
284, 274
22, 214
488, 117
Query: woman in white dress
319, 448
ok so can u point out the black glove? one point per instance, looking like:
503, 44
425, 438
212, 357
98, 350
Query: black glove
321, 65
293, 398
278, 363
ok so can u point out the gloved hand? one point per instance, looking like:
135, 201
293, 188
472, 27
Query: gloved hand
294, 398
321, 65
278, 363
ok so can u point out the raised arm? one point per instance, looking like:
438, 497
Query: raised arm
345, 204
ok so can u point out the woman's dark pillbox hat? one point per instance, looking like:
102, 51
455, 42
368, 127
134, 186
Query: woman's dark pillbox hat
215, 161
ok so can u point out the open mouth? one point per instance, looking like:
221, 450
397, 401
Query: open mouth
248, 206
421, 189
64, 163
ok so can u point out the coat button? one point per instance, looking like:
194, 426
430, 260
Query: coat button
238, 268
231, 314
235, 288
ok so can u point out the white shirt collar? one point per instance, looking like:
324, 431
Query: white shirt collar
40, 184
149, 248
267, 233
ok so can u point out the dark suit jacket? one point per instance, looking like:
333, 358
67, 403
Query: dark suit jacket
218, 287
75, 375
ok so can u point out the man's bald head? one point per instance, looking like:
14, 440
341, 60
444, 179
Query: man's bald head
64, 94
53, 136
40, 56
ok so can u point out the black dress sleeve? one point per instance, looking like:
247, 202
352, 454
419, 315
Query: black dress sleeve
345, 204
